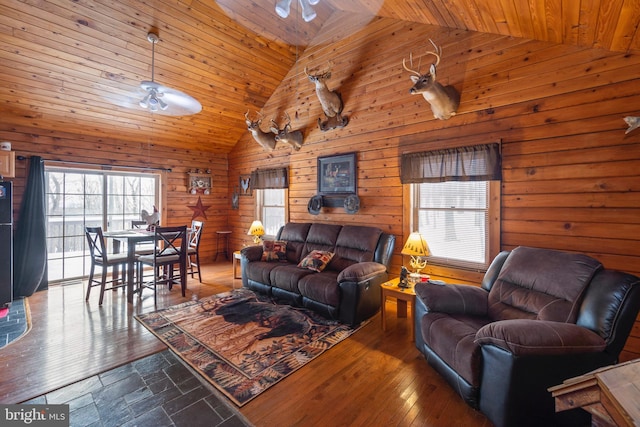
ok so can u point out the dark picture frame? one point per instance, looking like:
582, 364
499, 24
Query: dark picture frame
337, 174
244, 185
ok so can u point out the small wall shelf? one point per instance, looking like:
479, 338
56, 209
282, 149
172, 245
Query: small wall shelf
199, 182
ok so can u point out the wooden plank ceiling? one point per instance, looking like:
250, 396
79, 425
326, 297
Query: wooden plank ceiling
75, 66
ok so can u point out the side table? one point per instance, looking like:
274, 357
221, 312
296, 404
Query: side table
402, 296
236, 259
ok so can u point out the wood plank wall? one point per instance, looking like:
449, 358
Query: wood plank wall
68, 147
571, 177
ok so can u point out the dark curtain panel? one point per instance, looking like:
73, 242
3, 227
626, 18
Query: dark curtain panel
269, 178
475, 163
30, 255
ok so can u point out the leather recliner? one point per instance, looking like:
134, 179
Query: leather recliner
538, 318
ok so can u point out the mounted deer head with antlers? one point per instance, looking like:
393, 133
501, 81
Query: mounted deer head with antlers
444, 100
330, 100
265, 139
284, 134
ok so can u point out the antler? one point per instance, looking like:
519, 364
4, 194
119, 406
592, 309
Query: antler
288, 121
437, 53
259, 116
416, 72
325, 75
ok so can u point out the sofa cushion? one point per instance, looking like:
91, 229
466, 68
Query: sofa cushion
541, 284
354, 244
452, 337
523, 337
295, 234
321, 287
287, 276
316, 260
259, 271
321, 237
274, 250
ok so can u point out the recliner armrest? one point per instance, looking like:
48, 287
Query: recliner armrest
361, 271
453, 299
527, 337
252, 253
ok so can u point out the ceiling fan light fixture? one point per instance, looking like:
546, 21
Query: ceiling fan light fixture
144, 102
154, 102
283, 8
308, 14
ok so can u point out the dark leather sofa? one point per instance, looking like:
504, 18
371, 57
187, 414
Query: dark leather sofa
348, 289
539, 317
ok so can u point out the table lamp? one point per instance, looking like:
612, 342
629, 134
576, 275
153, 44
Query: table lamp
256, 230
417, 247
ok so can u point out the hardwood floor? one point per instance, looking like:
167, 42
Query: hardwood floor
373, 378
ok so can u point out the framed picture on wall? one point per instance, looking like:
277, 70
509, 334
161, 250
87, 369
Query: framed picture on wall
337, 174
245, 185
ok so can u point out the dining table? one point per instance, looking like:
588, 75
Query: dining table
132, 238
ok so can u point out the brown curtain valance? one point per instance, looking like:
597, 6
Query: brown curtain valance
475, 163
269, 178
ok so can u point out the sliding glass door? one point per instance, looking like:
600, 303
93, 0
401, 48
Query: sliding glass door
79, 198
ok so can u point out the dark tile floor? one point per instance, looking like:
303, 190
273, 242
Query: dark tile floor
14, 324
156, 391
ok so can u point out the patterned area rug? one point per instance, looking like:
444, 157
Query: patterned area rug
244, 343
15, 323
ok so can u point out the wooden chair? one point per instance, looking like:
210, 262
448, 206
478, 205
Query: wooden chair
144, 249
193, 251
100, 257
171, 249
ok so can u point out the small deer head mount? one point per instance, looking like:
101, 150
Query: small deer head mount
330, 100
265, 139
444, 100
286, 135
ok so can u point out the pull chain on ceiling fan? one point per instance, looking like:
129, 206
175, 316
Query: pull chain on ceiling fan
162, 99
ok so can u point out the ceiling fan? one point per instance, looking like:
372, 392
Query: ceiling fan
165, 100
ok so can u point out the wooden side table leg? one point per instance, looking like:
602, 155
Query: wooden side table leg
413, 320
402, 309
383, 310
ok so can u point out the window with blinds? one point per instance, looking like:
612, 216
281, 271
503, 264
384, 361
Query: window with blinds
453, 217
271, 209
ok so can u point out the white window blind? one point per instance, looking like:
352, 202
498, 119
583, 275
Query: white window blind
453, 218
271, 209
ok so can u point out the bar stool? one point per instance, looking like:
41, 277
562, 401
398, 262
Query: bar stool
222, 237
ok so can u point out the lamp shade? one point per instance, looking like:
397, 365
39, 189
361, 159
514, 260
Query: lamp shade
416, 245
256, 229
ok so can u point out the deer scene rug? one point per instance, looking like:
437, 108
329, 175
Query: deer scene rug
15, 322
242, 342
